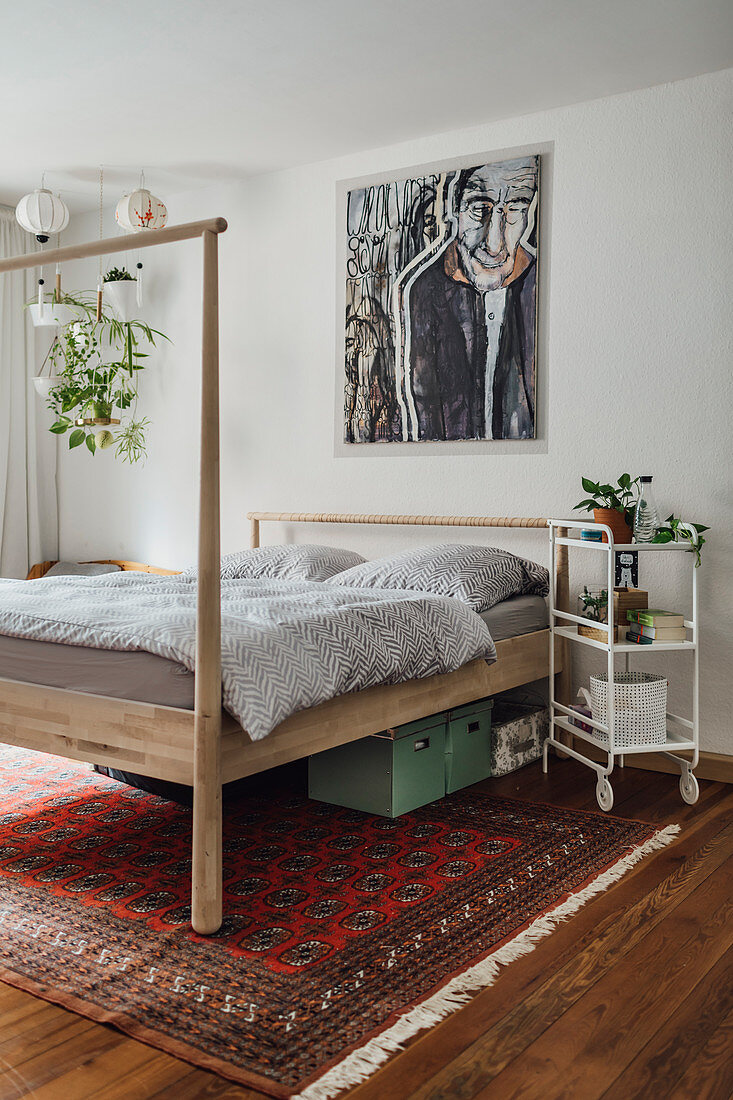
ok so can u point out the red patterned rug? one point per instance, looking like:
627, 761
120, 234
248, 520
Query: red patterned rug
345, 934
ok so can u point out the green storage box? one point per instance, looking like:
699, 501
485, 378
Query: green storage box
468, 745
388, 774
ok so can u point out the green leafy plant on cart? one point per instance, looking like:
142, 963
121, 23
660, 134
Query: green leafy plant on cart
594, 605
620, 497
675, 529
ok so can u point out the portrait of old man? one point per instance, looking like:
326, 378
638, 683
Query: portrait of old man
441, 306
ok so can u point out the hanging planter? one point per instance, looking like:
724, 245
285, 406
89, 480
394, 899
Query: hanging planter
121, 294
44, 385
97, 365
51, 315
101, 414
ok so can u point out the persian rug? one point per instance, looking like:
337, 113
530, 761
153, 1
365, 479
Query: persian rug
345, 934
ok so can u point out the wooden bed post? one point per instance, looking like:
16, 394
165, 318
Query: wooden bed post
563, 679
254, 537
206, 886
206, 900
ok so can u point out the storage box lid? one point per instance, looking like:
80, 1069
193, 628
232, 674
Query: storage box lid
418, 726
467, 711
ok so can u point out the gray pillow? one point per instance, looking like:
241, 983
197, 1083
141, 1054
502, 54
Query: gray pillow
302, 563
81, 569
480, 576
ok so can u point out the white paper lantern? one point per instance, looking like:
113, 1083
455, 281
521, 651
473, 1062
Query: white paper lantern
141, 210
42, 213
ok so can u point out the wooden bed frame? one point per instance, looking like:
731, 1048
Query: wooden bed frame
205, 747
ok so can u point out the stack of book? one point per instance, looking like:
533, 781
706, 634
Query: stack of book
650, 625
625, 600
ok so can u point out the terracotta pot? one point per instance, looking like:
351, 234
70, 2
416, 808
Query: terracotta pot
615, 520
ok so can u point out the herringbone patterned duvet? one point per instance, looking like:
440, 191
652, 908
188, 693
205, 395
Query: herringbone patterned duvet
286, 645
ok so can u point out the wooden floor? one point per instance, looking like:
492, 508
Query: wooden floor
632, 999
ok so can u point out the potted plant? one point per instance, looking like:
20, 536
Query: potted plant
120, 290
593, 604
612, 505
95, 370
676, 530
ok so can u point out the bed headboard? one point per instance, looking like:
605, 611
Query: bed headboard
40, 570
561, 575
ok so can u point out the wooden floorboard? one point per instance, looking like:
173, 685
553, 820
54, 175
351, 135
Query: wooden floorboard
710, 1076
623, 1009
472, 1046
678, 1045
632, 998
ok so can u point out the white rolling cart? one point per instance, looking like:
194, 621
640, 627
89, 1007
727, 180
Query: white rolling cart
681, 733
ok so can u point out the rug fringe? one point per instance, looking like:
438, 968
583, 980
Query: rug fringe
362, 1063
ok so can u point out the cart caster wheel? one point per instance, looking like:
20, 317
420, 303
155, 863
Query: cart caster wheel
689, 789
604, 794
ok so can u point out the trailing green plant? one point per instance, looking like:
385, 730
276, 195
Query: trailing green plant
594, 606
97, 365
119, 275
130, 441
676, 530
620, 497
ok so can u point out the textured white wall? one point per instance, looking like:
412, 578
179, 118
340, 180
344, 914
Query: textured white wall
636, 360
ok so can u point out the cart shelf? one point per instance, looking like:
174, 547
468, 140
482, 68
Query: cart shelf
683, 734
674, 740
571, 632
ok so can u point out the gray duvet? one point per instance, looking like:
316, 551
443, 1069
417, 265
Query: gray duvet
286, 645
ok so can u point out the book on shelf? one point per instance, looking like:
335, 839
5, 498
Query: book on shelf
638, 638
653, 616
659, 633
643, 639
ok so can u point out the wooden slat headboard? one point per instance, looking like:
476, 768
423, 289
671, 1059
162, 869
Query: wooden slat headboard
256, 518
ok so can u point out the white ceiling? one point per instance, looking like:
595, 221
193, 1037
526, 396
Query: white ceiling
197, 92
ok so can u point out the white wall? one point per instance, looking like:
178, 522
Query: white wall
636, 359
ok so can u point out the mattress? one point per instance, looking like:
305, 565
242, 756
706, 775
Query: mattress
151, 679
519, 615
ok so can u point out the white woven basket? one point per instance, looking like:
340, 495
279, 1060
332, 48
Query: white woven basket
640, 708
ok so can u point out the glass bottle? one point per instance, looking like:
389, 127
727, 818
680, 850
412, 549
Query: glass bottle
646, 516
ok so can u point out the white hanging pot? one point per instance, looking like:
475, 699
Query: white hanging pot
50, 316
44, 385
121, 295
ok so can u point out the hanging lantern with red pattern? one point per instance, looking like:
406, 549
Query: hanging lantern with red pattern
141, 210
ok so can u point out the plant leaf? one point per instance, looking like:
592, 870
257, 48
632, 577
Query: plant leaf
589, 486
91, 443
76, 438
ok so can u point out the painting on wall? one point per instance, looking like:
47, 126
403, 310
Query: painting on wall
441, 305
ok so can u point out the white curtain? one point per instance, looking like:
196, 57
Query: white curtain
28, 499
